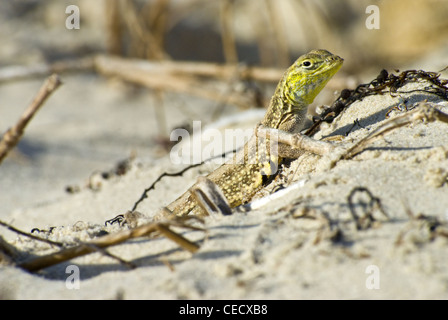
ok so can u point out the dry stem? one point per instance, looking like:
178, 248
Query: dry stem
424, 111
13, 135
227, 34
298, 141
13, 73
111, 240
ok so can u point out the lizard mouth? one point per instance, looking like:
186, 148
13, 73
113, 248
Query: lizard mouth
334, 59
334, 63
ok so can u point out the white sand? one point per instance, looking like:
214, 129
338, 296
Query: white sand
270, 253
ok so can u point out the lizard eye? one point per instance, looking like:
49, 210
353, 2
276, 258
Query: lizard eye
307, 64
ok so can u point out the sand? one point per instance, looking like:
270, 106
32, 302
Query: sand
282, 249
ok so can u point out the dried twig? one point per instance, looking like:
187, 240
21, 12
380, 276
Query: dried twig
14, 73
114, 28
227, 34
8, 253
165, 174
177, 238
298, 141
29, 235
111, 240
275, 18
181, 77
184, 68
137, 72
144, 195
158, 15
424, 111
106, 64
13, 135
143, 40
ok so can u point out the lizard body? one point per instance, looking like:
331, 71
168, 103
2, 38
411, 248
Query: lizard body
254, 165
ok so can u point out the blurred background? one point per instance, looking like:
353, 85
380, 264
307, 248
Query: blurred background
261, 32
94, 121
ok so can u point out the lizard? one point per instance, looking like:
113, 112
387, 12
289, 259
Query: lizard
250, 168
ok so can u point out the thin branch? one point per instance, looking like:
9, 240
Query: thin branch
29, 235
182, 68
144, 195
165, 174
8, 253
181, 77
143, 37
114, 27
424, 111
13, 135
277, 26
177, 238
298, 141
107, 63
14, 73
227, 34
136, 72
110, 240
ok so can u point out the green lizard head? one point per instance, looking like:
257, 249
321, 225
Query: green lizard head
310, 73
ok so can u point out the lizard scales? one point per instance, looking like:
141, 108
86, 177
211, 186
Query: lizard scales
241, 177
